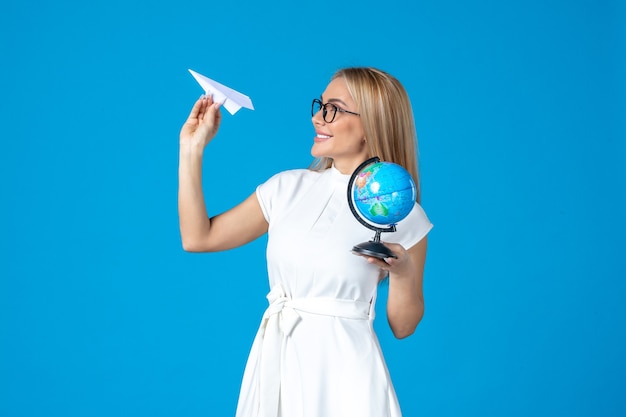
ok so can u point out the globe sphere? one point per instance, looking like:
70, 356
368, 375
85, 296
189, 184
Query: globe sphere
383, 193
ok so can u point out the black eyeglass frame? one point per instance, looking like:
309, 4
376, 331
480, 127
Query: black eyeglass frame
324, 109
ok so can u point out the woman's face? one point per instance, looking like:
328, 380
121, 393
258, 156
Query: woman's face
343, 140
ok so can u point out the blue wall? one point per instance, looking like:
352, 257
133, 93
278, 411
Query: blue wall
520, 113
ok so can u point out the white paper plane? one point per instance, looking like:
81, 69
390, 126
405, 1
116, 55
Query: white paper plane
232, 100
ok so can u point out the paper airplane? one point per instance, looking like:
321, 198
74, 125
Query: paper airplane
232, 100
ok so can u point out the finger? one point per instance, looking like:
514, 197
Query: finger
377, 262
196, 109
390, 262
213, 116
218, 114
210, 110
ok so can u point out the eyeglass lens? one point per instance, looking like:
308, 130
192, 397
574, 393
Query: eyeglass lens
328, 110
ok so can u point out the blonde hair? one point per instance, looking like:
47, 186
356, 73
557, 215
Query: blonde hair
387, 118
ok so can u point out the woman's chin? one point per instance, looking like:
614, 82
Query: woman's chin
316, 152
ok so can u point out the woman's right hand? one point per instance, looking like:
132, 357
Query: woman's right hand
202, 123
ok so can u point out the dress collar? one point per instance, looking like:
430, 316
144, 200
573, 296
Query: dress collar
338, 176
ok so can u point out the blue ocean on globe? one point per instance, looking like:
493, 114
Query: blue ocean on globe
384, 193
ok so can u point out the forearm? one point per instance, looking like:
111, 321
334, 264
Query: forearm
193, 218
405, 304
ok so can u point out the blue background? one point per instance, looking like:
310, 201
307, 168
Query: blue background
520, 113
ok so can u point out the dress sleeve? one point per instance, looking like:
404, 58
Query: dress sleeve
278, 194
412, 229
267, 194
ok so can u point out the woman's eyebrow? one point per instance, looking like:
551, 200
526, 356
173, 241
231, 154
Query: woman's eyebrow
336, 100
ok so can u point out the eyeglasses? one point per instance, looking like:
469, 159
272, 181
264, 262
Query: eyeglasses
329, 110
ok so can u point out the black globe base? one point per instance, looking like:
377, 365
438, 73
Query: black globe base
374, 249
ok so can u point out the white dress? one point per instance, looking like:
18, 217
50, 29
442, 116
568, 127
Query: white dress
316, 353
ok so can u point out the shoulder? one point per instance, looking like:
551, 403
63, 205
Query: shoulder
294, 175
284, 189
288, 180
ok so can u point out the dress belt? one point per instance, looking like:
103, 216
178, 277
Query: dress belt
279, 320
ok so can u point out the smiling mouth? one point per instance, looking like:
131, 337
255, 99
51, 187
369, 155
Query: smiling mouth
322, 137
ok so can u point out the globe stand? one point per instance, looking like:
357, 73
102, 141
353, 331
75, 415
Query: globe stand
373, 247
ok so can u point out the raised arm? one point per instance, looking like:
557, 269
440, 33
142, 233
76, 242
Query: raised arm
200, 233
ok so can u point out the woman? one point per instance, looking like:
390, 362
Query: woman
316, 354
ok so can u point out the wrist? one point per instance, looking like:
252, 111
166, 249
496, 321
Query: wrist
403, 279
191, 149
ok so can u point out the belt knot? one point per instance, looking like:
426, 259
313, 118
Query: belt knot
280, 305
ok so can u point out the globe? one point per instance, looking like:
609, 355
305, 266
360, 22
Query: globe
384, 193
380, 195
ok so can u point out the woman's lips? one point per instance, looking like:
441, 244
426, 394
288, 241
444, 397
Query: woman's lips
320, 137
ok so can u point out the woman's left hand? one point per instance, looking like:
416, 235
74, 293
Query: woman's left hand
402, 265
